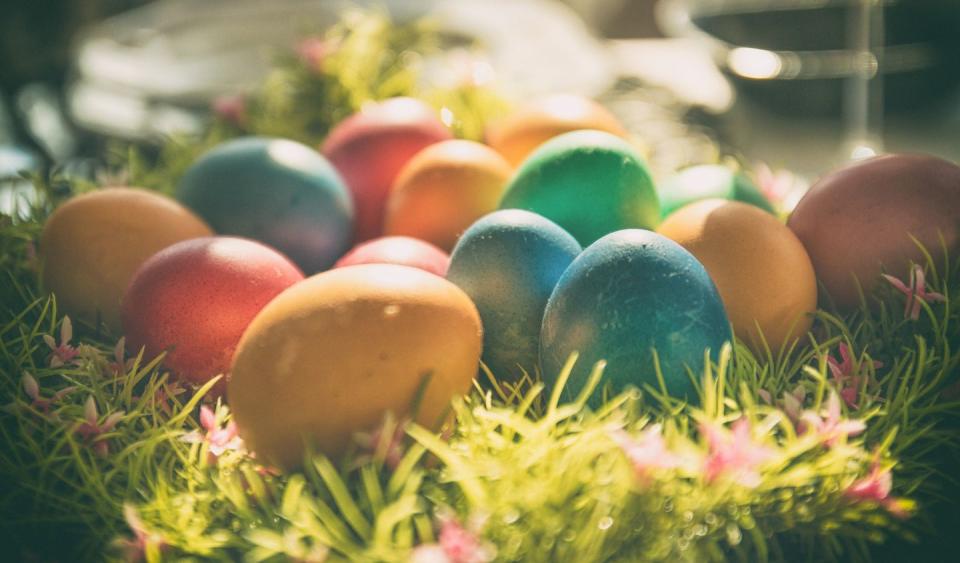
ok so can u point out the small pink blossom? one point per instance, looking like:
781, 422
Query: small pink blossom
218, 440
648, 452
61, 353
876, 487
915, 292
846, 375
93, 430
135, 548
385, 443
120, 365
455, 544
733, 453
774, 185
832, 426
791, 404
231, 109
39, 403
314, 51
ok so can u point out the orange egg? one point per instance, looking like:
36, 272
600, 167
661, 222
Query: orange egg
331, 355
93, 243
761, 270
518, 134
444, 189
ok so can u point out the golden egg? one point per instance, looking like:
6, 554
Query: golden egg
92, 244
444, 189
761, 269
331, 355
518, 134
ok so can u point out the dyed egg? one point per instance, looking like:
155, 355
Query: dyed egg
705, 182
509, 262
332, 354
628, 294
92, 244
403, 251
859, 220
761, 270
278, 192
520, 133
590, 183
444, 189
194, 300
370, 147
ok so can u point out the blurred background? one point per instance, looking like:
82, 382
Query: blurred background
797, 84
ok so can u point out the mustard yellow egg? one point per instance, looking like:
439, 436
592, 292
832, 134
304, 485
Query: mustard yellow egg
331, 355
764, 275
444, 189
518, 134
92, 244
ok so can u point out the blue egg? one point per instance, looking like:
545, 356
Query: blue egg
508, 262
627, 294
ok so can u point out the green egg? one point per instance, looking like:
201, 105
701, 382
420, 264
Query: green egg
708, 181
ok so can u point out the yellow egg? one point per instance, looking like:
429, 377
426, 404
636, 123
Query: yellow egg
92, 244
761, 270
329, 356
518, 134
444, 189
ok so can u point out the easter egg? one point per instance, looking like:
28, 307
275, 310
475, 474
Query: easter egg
92, 244
195, 298
509, 262
444, 189
370, 147
626, 295
761, 270
279, 192
403, 251
708, 181
858, 221
518, 134
590, 183
333, 354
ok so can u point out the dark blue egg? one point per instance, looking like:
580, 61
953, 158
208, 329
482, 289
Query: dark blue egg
275, 191
508, 262
627, 294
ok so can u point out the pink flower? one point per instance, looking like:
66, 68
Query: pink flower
385, 443
63, 352
93, 430
120, 365
135, 548
916, 292
230, 108
37, 401
218, 440
876, 487
846, 375
647, 453
833, 427
774, 185
733, 453
792, 403
314, 51
455, 544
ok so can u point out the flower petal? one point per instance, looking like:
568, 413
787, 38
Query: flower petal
207, 419
901, 287
90, 411
66, 331
30, 386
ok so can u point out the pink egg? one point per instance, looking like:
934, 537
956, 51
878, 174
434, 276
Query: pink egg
194, 299
370, 147
404, 251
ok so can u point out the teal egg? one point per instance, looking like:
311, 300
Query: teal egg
589, 182
508, 262
279, 192
708, 181
627, 294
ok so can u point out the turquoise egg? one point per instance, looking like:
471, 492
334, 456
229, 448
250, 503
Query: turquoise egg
279, 192
627, 294
508, 262
589, 182
708, 181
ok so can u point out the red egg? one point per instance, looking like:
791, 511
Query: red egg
404, 251
370, 147
195, 298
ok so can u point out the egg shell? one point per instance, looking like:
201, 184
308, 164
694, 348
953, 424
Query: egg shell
444, 189
276, 191
520, 133
403, 251
92, 244
858, 221
372, 146
509, 262
333, 354
590, 183
761, 270
627, 294
195, 298
708, 181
